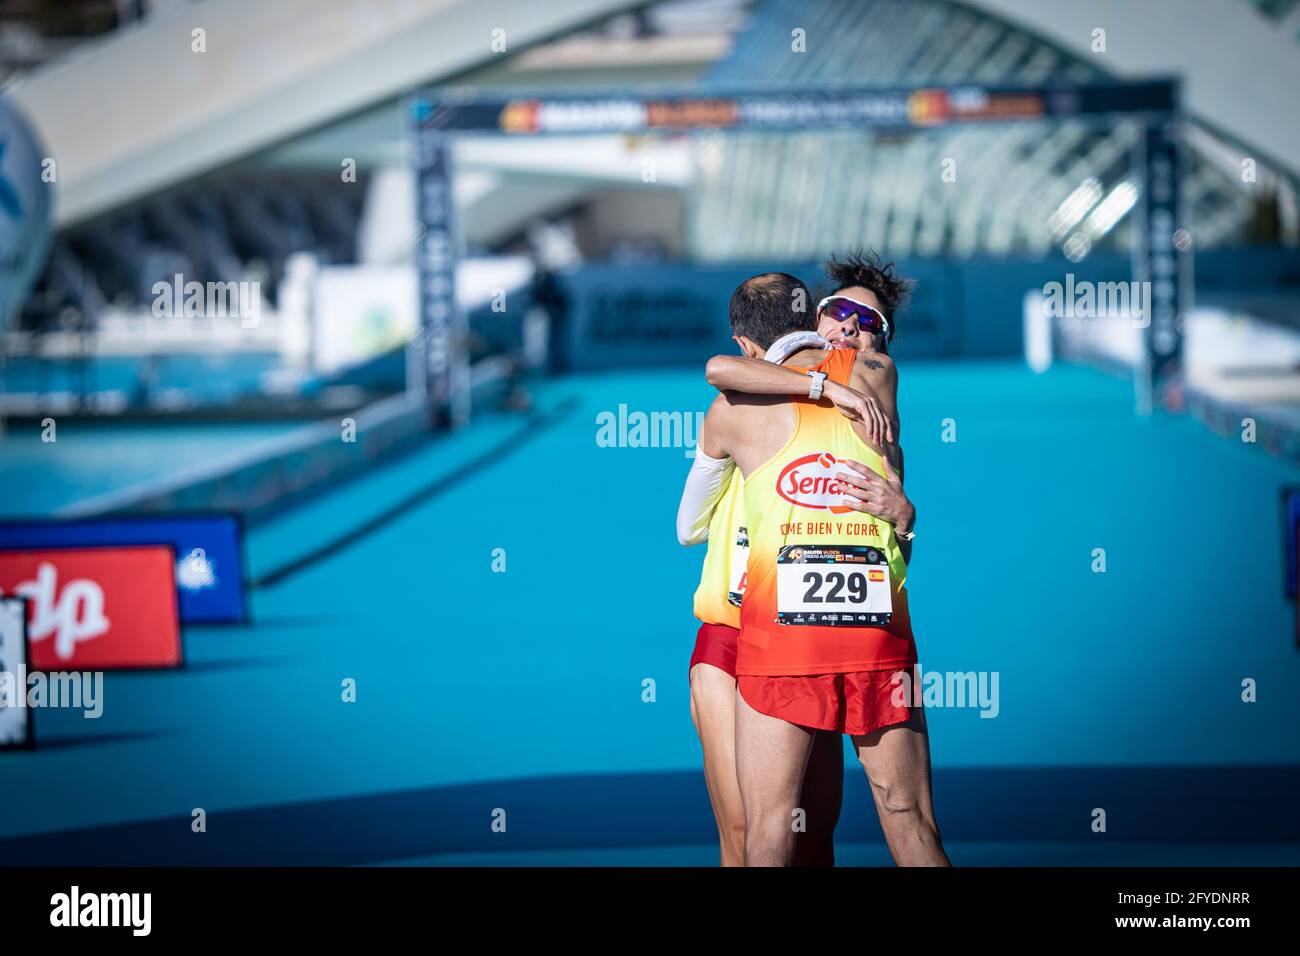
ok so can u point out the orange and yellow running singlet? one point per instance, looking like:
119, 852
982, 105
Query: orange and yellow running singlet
825, 585
722, 580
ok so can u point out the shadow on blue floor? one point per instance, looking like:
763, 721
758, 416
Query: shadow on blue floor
75, 741
1150, 805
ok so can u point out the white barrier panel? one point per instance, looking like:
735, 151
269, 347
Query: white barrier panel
1233, 357
15, 719
360, 312
1038, 332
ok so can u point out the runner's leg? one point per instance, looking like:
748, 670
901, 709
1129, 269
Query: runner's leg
821, 796
771, 756
713, 711
897, 761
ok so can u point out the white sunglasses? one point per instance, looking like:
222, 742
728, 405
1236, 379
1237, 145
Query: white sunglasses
871, 319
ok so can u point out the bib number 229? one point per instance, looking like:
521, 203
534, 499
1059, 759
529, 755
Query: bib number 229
833, 585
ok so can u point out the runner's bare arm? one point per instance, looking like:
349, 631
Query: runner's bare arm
739, 373
714, 431
876, 375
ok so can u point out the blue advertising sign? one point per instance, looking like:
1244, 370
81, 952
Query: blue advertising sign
1290, 530
209, 553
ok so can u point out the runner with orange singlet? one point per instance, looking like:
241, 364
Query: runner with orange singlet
712, 510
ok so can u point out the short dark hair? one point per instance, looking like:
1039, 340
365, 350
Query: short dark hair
865, 269
767, 306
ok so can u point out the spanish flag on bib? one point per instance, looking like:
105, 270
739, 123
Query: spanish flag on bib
825, 587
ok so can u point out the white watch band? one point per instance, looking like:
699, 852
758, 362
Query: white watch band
818, 385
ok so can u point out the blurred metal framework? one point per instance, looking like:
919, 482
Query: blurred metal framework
858, 187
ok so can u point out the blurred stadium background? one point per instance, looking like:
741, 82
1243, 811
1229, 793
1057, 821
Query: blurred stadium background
271, 153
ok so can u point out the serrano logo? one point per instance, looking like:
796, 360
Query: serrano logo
810, 482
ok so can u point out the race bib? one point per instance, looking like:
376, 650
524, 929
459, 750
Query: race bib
739, 567
833, 585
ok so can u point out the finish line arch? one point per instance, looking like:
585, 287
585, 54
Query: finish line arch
438, 367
